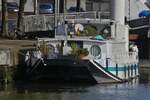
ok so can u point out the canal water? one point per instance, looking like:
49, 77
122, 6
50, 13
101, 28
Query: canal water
138, 89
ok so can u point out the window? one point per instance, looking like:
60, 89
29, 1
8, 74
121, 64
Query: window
95, 51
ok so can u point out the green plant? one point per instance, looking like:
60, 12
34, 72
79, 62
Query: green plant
82, 52
44, 49
89, 30
78, 52
74, 48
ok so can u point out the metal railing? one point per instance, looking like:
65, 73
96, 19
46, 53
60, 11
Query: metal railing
126, 58
139, 22
46, 22
104, 15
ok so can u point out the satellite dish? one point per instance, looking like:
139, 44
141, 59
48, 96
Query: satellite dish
79, 27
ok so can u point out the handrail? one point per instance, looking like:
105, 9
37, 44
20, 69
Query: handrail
125, 58
46, 22
91, 14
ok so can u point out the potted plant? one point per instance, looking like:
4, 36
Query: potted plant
78, 52
74, 48
82, 52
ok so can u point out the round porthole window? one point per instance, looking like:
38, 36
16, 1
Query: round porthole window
95, 51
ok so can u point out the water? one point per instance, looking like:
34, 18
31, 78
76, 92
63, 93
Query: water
135, 90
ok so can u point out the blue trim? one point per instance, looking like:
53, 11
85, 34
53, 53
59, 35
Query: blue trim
123, 68
119, 79
114, 69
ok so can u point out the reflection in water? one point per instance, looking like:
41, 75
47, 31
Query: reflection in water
145, 76
41, 92
126, 91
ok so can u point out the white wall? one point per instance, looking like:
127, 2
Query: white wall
29, 6
70, 3
83, 4
98, 6
105, 6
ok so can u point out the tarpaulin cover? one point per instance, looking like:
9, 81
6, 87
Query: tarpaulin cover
144, 13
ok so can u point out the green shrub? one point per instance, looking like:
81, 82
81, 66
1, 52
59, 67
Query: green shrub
74, 48
78, 52
82, 52
89, 30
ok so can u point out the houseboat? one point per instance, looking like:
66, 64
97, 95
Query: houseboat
72, 58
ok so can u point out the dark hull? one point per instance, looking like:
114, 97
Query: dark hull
66, 70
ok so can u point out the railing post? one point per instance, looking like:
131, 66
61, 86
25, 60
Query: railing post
135, 68
95, 14
131, 70
107, 63
125, 72
128, 71
116, 69
99, 15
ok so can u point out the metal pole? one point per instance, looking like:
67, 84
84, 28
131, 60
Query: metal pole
55, 18
58, 6
36, 7
66, 32
107, 63
65, 6
116, 69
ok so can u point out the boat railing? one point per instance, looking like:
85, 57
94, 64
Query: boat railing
125, 58
133, 56
75, 15
80, 15
104, 15
45, 22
